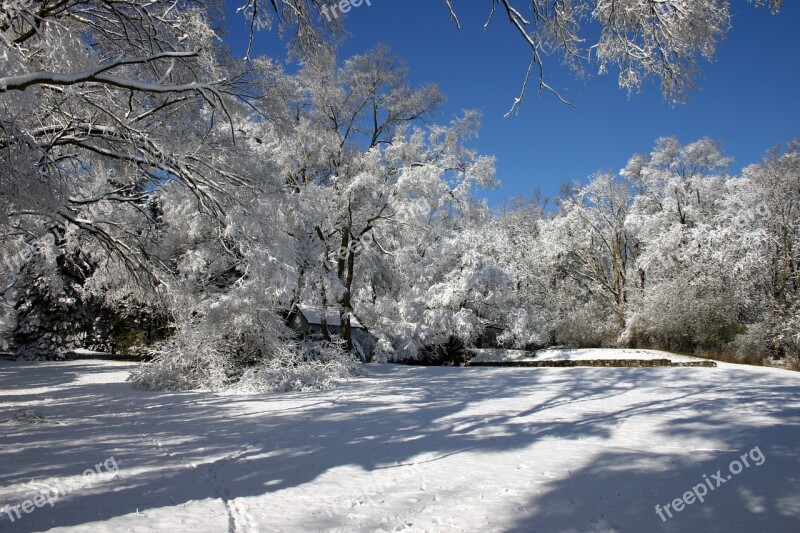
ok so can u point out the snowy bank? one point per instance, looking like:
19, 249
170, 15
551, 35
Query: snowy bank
572, 354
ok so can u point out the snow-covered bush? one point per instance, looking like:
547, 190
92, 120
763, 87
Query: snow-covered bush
687, 314
7, 322
364, 344
451, 353
586, 325
194, 361
384, 350
791, 338
308, 365
187, 361
51, 317
232, 344
524, 330
755, 344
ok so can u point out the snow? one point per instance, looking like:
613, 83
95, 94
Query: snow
84, 351
571, 354
405, 448
500, 354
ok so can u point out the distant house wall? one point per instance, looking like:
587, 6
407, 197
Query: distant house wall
299, 322
316, 329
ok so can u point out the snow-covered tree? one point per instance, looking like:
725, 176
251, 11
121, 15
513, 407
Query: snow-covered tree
643, 39
770, 202
366, 169
687, 294
675, 253
103, 102
114, 115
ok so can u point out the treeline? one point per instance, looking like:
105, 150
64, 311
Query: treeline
162, 197
672, 253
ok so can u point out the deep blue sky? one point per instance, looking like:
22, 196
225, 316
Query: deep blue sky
748, 100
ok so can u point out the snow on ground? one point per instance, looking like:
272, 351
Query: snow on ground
570, 354
84, 351
404, 449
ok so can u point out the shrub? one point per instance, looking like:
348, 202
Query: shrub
309, 365
197, 359
451, 353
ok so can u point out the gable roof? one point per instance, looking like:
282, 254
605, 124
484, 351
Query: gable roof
314, 318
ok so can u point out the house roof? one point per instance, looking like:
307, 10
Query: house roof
314, 317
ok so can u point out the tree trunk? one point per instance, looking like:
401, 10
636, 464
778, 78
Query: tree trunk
347, 306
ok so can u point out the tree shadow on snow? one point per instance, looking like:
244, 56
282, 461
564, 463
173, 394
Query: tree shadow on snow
267, 443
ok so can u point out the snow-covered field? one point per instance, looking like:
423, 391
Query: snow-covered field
405, 448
